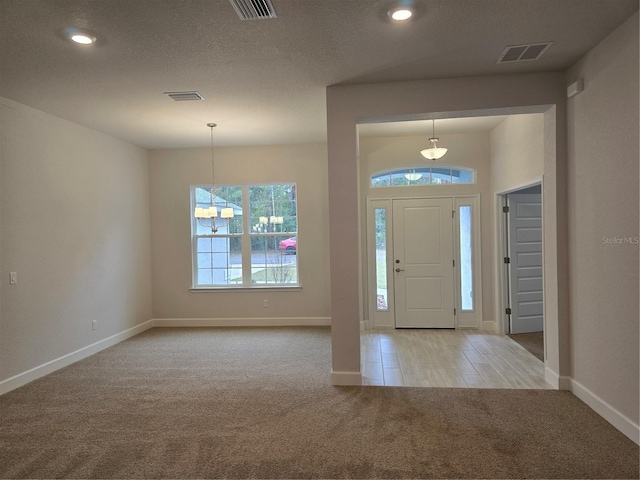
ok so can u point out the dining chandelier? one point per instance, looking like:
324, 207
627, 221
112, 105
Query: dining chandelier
206, 216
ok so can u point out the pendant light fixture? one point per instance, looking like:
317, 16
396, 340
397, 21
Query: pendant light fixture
433, 152
206, 216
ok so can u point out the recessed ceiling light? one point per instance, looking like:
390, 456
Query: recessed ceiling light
78, 36
83, 39
401, 13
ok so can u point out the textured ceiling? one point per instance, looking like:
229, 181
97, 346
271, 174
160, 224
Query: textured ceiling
264, 80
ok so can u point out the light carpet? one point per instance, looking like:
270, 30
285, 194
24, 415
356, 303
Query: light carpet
257, 403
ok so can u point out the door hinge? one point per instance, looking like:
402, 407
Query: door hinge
505, 209
455, 311
507, 260
454, 262
453, 214
507, 310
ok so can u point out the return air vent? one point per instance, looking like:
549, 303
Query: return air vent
254, 9
523, 53
184, 96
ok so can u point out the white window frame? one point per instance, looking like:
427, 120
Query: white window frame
469, 318
245, 242
403, 170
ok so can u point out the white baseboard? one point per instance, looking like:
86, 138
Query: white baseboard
489, 326
346, 378
244, 322
606, 411
66, 360
560, 382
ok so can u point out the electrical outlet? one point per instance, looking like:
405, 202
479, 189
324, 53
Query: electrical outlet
13, 278
94, 325
265, 304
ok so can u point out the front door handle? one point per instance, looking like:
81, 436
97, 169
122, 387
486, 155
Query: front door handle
398, 270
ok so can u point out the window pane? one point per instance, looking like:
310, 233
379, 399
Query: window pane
205, 277
440, 176
273, 208
398, 178
216, 261
461, 176
274, 244
203, 244
418, 176
466, 258
204, 260
381, 180
274, 260
381, 259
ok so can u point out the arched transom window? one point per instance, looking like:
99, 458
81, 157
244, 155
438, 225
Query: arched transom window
440, 175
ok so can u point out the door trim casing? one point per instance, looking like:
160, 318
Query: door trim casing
500, 279
386, 318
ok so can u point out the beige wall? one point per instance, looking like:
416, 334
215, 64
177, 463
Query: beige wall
603, 203
75, 228
465, 149
173, 171
348, 105
517, 159
517, 151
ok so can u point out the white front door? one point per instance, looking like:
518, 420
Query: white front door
423, 263
525, 267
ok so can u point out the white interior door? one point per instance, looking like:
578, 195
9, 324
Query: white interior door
423, 263
525, 267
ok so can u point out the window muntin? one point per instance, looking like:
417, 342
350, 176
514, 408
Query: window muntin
264, 240
408, 176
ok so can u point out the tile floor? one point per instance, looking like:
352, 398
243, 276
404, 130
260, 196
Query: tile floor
447, 358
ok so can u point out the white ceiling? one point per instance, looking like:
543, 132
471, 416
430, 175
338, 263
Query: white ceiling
264, 80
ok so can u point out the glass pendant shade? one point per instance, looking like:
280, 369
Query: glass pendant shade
433, 152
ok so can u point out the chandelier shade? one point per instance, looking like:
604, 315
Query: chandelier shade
433, 152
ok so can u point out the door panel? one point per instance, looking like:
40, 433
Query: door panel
525, 245
423, 254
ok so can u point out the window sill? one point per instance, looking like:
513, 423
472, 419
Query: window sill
284, 288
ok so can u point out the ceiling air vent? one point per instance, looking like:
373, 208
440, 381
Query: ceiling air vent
253, 9
184, 96
523, 53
